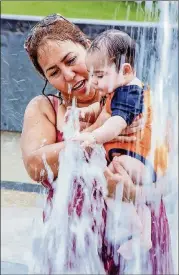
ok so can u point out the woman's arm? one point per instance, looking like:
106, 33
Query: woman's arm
38, 139
86, 114
103, 116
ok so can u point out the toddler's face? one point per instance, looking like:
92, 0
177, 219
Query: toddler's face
102, 75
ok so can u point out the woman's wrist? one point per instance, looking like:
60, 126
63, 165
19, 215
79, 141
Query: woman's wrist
133, 193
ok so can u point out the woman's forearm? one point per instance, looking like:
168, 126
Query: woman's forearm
39, 163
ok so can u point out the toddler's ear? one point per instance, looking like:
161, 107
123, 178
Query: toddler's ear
126, 68
88, 43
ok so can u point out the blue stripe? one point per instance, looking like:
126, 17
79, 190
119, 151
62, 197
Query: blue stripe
22, 187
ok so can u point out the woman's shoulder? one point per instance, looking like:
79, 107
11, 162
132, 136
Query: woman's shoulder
37, 101
40, 105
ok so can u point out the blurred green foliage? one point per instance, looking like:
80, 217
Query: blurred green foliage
109, 10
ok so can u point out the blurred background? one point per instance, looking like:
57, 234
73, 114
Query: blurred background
105, 10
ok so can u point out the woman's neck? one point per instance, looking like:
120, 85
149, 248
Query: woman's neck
81, 102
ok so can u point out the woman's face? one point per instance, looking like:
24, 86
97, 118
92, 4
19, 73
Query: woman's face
63, 63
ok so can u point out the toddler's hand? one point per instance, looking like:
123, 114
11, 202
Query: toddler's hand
87, 139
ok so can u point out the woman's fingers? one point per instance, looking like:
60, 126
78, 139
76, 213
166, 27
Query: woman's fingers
125, 139
132, 130
108, 173
112, 182
118, 167
137, 125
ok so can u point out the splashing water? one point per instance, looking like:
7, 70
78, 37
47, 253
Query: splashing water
71, 238
158, 65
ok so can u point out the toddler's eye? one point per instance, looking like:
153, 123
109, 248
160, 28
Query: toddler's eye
100, 76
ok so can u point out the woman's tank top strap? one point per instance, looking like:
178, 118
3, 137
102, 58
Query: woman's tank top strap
55, 104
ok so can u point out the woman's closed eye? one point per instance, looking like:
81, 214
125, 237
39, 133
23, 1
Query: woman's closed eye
55, 72
71, 61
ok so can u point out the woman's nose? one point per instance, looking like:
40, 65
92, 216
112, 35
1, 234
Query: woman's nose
69, 75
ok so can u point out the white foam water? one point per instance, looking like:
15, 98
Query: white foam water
71, 238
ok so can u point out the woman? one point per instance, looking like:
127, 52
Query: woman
57, 49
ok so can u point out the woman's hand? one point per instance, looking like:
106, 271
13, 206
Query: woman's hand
83, 113
137, 125
120, 176
85, 117
124, 139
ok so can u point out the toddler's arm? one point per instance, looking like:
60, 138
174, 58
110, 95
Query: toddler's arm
109, 130
126, 104
103, 116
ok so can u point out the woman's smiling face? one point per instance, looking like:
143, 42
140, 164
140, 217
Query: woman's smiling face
63, 64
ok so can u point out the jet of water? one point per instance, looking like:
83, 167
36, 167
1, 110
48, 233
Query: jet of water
71, 238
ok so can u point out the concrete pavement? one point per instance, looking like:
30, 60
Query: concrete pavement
19, 211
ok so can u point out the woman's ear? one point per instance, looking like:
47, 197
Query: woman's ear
127, 69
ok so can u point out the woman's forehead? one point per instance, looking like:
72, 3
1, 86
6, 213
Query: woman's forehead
57, 46
55, 50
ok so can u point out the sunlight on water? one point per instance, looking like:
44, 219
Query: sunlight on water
71, 239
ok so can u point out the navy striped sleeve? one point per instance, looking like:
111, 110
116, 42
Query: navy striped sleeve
127, 102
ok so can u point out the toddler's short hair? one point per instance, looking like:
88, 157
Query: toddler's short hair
118, 46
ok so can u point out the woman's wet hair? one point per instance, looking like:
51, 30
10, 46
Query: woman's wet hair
52, 27
118, 47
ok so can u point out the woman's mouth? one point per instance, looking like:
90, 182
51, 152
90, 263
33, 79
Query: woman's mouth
79, 86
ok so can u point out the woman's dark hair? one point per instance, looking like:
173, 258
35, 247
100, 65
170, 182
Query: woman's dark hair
52, 27
115, 44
